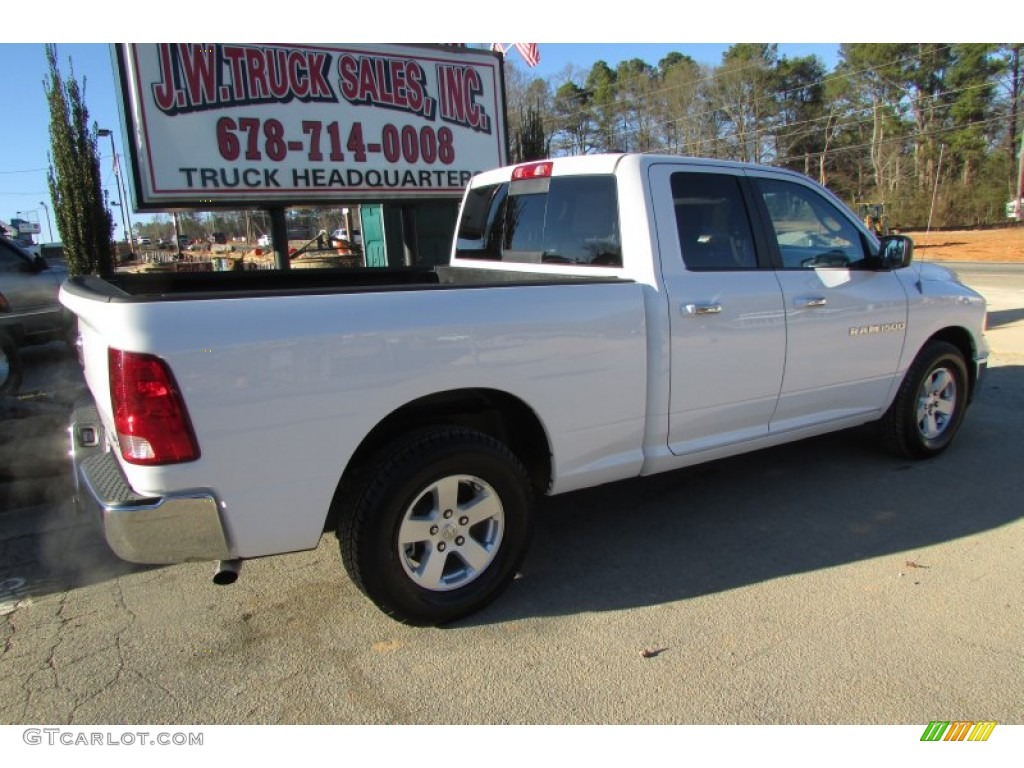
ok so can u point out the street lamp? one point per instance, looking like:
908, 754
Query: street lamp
49, 228
124, 228
120, 189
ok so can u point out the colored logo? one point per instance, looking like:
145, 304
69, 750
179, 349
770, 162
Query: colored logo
958, 730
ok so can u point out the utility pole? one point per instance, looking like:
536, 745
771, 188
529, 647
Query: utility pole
177, 232
1020, 180
120, 189
935, 190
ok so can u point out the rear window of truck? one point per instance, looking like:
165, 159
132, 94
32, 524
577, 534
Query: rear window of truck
561, 220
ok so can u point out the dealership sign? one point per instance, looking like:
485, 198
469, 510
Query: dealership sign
281, 124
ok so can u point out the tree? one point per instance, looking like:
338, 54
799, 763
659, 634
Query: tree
530, 142
681, 111
83, 220
572, 132
875, 73
971, 81
636, 83
802, 114
1013, 71
745, 86
601, 86
924, 82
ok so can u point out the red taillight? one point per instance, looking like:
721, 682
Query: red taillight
532, 171
149, 414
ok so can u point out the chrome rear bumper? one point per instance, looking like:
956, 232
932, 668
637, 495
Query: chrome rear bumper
172, 528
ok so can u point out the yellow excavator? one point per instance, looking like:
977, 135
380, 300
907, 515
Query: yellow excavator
874, 217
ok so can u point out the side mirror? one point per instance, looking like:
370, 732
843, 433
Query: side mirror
896, 251
40, 263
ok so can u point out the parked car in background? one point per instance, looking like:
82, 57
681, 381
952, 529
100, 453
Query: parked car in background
29, 310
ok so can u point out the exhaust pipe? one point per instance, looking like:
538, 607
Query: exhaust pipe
227, 572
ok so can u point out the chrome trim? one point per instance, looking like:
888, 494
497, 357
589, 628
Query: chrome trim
176, 528
183, 526
811, 303
702, 309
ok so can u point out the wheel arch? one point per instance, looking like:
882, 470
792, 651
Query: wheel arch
499, 414
964, 341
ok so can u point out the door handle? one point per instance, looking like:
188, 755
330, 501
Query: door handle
702, 309
817, 301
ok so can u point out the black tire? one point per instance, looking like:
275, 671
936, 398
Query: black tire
10, 366
929, 406
462, 504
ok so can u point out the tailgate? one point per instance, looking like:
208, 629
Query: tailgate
93, 315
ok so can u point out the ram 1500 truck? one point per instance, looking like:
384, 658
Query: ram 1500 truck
600, 318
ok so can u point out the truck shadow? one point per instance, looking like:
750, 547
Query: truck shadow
1004, 317
817, 504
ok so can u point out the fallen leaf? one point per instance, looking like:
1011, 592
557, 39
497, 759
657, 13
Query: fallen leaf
387, 646
650, 653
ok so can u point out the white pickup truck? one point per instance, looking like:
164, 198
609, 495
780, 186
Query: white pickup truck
601, 317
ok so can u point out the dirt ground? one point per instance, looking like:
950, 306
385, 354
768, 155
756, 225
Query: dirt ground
996, 245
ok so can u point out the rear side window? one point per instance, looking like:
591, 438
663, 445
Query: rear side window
561, 220
714, 228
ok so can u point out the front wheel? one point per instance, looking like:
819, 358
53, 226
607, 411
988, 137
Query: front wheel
437, 527
930, 404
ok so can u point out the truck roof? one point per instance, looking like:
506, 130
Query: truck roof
610, 162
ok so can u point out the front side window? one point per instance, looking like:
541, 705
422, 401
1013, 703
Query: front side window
561, 220
711, 217
810, 231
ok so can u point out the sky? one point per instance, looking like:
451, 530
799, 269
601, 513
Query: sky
82, 37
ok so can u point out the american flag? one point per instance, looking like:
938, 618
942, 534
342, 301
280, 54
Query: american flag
529, 51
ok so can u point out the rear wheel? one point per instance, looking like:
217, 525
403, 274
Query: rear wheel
929, 407
10, 366
437, 526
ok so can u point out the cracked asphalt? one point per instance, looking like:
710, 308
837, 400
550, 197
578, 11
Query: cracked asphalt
822, 582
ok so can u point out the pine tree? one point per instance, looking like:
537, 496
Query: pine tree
530, 142
84, 223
